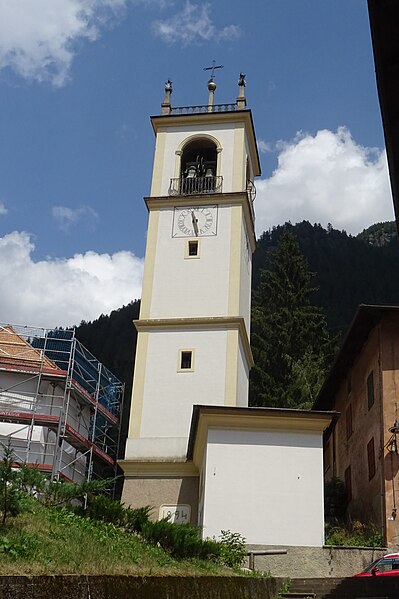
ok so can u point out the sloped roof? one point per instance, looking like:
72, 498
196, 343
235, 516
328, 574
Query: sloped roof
366, 318
16, 353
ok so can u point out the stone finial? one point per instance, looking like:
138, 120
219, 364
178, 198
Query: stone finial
211, 97
166, 104
241, 100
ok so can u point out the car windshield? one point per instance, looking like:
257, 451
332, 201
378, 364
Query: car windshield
384, 564
371, 566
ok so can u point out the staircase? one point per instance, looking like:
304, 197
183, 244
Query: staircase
343, 588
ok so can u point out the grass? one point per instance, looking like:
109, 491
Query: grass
44, 540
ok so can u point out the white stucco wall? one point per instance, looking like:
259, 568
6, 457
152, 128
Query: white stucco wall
169, 395
191, 287
268, 486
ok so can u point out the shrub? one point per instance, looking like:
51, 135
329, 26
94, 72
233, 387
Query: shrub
106, 509
9, 494
180, 540
135, 519
355, 534
232, 549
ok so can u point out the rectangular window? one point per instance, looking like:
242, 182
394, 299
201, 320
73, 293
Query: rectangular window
185, 360
370, 390
348, 484
371, 458
349, 422
193, 248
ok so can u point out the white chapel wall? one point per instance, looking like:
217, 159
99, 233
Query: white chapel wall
279, 499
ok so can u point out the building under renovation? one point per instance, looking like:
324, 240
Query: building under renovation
59, 406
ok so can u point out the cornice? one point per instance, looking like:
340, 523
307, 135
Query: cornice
141, 469
206, 322
236, 116
239, 198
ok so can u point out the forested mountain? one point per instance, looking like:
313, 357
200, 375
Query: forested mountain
348, 271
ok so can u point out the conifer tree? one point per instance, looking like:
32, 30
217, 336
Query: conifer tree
290, 340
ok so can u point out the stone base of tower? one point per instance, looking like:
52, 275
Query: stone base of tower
170, 488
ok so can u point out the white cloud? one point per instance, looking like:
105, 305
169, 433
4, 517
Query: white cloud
39, 38
193, 24
3, 209
264, 146
66, 217
64, 291
325, 178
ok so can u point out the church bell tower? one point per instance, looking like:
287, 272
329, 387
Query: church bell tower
194, 325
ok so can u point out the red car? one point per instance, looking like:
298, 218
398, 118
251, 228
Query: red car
385, 566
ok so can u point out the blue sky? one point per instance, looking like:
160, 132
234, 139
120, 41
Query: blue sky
78, 82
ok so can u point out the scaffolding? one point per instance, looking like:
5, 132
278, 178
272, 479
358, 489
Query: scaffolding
60, 407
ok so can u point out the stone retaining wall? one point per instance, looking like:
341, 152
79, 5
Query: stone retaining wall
317, 562
136, 587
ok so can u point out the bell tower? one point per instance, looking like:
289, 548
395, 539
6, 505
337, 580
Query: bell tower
194, 326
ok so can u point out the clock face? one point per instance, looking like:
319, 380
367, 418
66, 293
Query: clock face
195, 221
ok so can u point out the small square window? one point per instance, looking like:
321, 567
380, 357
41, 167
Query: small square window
193, 248
370, 390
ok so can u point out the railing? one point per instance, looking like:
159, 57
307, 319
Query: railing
195, 185
205, 108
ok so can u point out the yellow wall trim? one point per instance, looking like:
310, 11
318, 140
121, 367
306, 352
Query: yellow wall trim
140, 469
230, 387
138, 385
149, 265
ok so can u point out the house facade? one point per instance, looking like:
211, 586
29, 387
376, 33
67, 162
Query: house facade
362, 448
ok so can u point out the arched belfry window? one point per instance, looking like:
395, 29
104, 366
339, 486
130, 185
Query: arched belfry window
198, 169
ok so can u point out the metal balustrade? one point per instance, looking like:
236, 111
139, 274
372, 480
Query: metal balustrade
229, 107
195, 185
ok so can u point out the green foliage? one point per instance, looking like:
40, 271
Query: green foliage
136, 519
335, 501
9, 493
62, 493
109, 510
20, 547
290, 340
180, 540
356, 534
232, 549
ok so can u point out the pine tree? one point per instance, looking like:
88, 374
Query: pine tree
290, 341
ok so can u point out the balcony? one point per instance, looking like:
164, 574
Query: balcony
186, 186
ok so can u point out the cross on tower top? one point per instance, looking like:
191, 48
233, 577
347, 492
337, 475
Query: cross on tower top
212, 68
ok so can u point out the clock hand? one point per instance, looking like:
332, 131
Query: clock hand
195, 223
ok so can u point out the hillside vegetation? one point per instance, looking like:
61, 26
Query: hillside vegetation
347, 271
